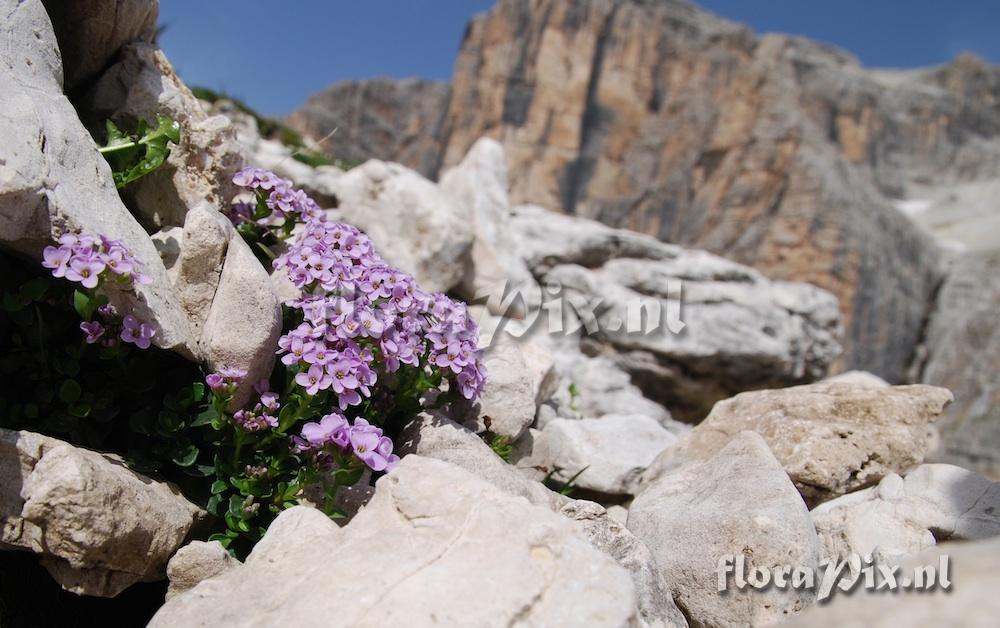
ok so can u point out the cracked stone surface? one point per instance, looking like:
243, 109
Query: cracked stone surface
934, 503
418, 555
740, 330
831, 438
740, 501
65, 503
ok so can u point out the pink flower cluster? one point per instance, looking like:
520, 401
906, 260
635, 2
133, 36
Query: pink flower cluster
88, 259
281, 198
360, 313
363, 439
112, 328
264, 414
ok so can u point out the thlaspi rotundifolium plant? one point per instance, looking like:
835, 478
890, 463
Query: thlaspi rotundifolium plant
363, 350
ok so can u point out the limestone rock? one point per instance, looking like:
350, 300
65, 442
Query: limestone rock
739, 502
860, 378
507, 406
479, 186
201, 252
92, 32
244, 321
899, 517
433, 435
962, 346
656, 605
416, 556
609, 453
414, 225
830, 438
98, 526
141, 85
688, 327
195, 562
53, 180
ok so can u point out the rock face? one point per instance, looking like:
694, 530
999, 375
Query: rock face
433, 435
416, 555
53, 180
91, 32
413, 224
738, 503
722, 327
98, 526
656, 605
963, 354
781, 153
608, 453
970, 601
195, 562
507, 406
379, 119
936, 502
141, 85
479, 186
830, 438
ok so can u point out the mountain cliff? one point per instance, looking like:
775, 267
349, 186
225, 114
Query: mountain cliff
775, 151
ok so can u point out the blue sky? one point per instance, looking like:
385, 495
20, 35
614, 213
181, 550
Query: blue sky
273, 56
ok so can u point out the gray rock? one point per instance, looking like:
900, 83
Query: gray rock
98, 527
200, 255
507, 405
961, 352
739, 502
656, 605
413, 224
722, 327
141, 85
861, 378
195, 562
970, 601
433, 435
416, 556
900, 517
53, 180
605, 454
92, 32
830, 438
479, 187
244, 321
378, 119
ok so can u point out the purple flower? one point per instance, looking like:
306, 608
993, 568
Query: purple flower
370, 446
57, 258
137, 333
215, 381
332, 428
93, 329
314, 380
85, 271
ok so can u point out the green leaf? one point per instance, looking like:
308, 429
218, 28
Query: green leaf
205, 417
70, 391
186, 456
213, 505
133, 157
82, 304
218, 486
